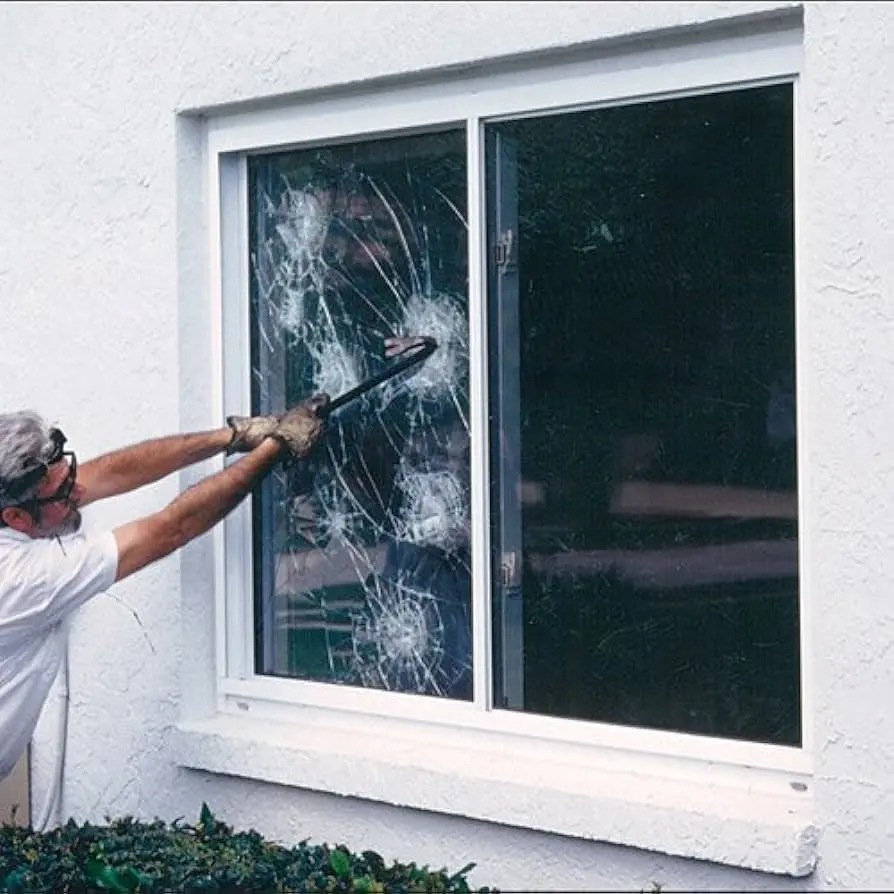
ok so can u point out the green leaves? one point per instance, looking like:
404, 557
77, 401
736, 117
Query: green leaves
340, 863
123, 881
127, 856
16, 881
206, 820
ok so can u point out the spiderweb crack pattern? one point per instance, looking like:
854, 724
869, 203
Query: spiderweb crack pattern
371, 535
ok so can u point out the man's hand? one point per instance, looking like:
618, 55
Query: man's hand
249, 431
301, 427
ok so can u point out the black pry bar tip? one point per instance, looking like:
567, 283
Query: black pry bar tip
427, 347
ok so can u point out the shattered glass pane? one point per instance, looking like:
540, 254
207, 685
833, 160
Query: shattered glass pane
643, 401
361, 553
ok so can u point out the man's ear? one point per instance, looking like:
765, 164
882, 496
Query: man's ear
18, 519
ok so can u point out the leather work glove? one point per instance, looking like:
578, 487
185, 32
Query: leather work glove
249, 431
301, 427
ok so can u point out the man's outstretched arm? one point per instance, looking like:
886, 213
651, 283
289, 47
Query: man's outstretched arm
194, 512
146, 462
205, 504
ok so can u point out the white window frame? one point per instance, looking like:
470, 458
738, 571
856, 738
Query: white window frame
741, 803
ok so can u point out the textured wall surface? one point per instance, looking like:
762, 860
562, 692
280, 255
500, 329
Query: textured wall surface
100, 298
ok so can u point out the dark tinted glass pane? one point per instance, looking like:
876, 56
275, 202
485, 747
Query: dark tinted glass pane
643, 405
361, 554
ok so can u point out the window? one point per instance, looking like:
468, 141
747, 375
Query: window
362, 565
641, 296
640, 266
571, 535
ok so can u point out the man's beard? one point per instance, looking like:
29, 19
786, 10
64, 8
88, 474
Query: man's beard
69, 525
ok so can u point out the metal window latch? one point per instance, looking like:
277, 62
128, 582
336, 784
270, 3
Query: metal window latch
510, 569
503, 250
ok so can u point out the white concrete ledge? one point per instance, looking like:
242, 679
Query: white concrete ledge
765, 826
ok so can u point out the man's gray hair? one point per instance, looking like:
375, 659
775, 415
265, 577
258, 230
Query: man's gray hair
25, 443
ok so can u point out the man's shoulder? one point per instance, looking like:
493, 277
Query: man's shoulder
45, 579
13, 543
9, 536
18, 550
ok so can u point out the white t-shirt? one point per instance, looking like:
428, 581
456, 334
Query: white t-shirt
42, 582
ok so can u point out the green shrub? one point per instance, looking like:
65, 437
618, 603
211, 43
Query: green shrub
127, 855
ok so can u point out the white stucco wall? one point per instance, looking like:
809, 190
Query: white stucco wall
100, 284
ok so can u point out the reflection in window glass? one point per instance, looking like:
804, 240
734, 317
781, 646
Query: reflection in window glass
361, 556
643, 397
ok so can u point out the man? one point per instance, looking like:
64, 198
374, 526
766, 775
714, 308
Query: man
49, 567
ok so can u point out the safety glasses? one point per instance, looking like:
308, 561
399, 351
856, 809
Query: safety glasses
34, 475
63, 492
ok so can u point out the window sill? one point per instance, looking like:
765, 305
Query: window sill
734, 816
